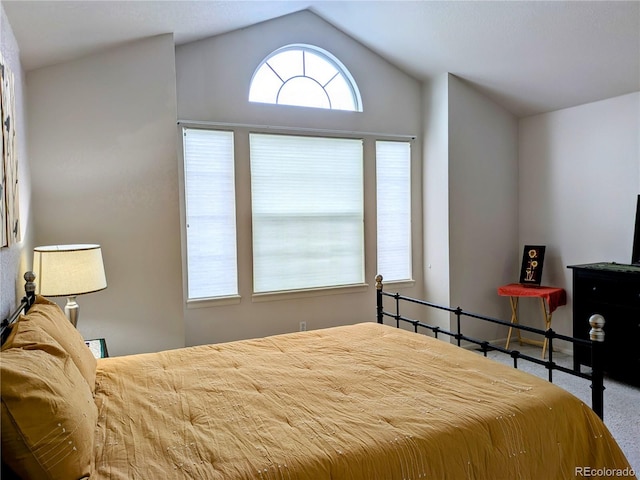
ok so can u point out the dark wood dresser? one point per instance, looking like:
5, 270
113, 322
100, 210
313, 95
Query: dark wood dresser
613, 291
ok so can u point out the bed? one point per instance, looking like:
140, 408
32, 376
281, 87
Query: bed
365, 401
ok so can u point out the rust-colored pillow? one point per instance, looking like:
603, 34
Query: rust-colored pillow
47, 412
49, 317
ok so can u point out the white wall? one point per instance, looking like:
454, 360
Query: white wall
470, 203
579, 181
104, 156
483, 212
102, 148
436, 198
214, 76
213, 84
15, 260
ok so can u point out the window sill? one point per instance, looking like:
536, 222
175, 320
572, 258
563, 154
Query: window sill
285, 295
213, 302
312, 292
398, 284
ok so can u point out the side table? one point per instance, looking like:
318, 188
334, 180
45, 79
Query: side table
554, 297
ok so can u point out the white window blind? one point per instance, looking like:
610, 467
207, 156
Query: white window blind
307, 207
393, 187
210, 213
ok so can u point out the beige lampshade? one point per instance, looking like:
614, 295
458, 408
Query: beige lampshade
68, 270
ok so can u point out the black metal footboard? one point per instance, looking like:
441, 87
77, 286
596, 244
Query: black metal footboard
595, 344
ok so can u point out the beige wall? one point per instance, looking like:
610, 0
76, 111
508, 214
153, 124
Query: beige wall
213, 85
104, 157
214, 77
578, 185
471, 208
483, 197
436, 197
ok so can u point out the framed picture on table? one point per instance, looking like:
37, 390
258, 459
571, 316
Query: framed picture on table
532, 261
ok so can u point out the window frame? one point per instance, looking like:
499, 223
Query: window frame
226, 298
327, 56
244, 215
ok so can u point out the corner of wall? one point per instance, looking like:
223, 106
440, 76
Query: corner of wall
436, 195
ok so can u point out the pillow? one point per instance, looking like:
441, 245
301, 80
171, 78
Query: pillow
49, 317
47, 413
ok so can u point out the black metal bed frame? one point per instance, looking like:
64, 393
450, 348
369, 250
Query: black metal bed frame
23, 306
595, 344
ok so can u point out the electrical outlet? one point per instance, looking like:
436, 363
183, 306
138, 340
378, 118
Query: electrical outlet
303, 326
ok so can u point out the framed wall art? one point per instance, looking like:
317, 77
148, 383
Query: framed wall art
532, 261
9, 208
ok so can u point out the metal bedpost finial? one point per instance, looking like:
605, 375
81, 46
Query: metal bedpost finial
29, 286
379, 282
596, 333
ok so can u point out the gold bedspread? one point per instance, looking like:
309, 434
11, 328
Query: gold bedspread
361, 402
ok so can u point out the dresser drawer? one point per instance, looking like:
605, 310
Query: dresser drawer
606, 291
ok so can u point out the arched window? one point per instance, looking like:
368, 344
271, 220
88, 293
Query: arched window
305, 76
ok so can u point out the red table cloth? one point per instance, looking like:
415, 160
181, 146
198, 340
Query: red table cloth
554, 296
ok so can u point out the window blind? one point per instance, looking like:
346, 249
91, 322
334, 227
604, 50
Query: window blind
307, 212
393, 193
210, 213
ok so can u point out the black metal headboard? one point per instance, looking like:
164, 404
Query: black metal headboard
23, 306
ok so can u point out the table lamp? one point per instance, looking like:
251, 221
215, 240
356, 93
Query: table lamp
67, 271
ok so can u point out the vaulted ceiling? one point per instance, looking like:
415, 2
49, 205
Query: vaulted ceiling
529, 56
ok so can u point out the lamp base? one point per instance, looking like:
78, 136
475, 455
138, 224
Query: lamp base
71, 309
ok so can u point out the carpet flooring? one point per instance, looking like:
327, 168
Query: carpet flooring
621, 401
